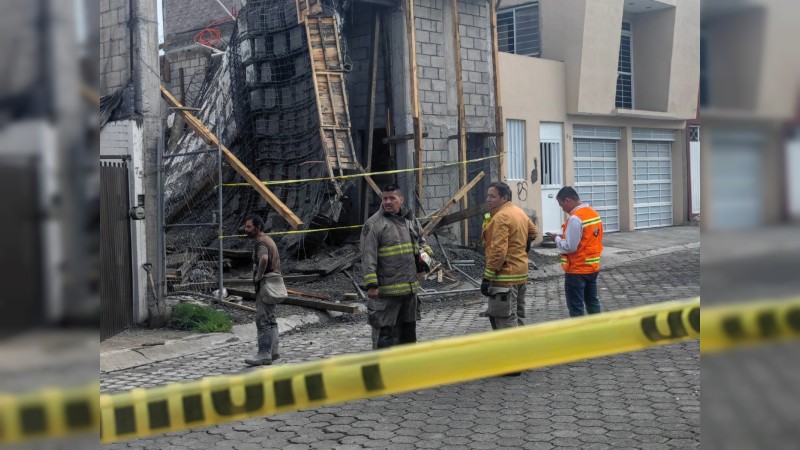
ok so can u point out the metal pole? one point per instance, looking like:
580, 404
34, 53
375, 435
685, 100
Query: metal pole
219, 202
161, 266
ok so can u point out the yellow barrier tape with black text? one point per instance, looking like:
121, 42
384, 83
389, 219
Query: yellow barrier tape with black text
215, 400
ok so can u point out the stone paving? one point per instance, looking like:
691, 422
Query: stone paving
647, 399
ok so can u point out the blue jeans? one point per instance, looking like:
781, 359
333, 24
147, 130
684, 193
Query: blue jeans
581, 289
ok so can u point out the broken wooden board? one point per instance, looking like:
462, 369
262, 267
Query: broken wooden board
298, 278
317, 295
328, 265
461, 215
300, 301
438, 215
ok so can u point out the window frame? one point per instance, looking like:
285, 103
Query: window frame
629, 34
523, 152
513, 11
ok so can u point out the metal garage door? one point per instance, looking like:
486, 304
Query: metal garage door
736, 183
596, 178
652, 177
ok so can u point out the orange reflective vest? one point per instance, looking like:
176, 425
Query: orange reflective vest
586, 258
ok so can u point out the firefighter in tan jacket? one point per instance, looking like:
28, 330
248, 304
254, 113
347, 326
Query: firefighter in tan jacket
507, 236
391, 258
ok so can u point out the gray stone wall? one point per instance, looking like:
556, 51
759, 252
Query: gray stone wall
115, 68
194, 63
185, 18
359, 50
437, 87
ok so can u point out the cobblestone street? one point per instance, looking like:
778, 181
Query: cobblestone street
648, 399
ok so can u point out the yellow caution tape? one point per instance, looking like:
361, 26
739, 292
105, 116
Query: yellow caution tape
747, 324
49, 413
214, 400
276, 233
360, 175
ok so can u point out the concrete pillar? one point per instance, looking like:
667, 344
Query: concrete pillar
401, 102
625, 177
680, 178
148, 105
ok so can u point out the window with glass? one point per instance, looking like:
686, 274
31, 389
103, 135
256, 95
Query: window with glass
518, 30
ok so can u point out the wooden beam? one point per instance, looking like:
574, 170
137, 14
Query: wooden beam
236, 305
498, 104
417, 121
458, 216
455, 136
400, 138
438, 215
317, 295
462, 126
373, 81
298, 301
237, 165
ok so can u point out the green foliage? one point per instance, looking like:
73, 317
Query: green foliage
188, 316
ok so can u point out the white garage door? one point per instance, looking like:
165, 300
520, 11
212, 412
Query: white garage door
652, 177
736, 183
596, 178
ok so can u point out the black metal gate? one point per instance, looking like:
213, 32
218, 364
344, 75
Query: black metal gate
116, 290
21, 258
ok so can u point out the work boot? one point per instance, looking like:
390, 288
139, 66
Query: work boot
275, 341
259, 360
264, 356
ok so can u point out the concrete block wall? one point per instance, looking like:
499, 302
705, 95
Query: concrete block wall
194, 62
359, 45
185, 18
115, 67
437, 89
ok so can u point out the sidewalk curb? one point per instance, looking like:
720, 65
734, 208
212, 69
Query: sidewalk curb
614, 258
115, 360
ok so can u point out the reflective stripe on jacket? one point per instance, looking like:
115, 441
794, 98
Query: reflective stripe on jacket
504, 237
586, 258
390, 245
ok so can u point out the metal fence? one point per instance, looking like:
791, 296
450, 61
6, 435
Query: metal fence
116, 291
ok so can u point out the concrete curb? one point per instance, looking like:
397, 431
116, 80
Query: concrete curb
121, 359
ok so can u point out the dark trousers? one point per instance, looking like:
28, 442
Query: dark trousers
581, 289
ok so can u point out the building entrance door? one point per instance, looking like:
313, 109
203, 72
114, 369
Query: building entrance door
552, 163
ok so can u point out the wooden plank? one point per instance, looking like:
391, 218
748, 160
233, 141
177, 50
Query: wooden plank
325, 148
462, 130
237, 165
301, 278
299, 301
458, 216
438, 215
412, 55
498, 108
236, 305
317, 295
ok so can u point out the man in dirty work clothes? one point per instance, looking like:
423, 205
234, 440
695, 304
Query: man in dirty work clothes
270, 291
391, 258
